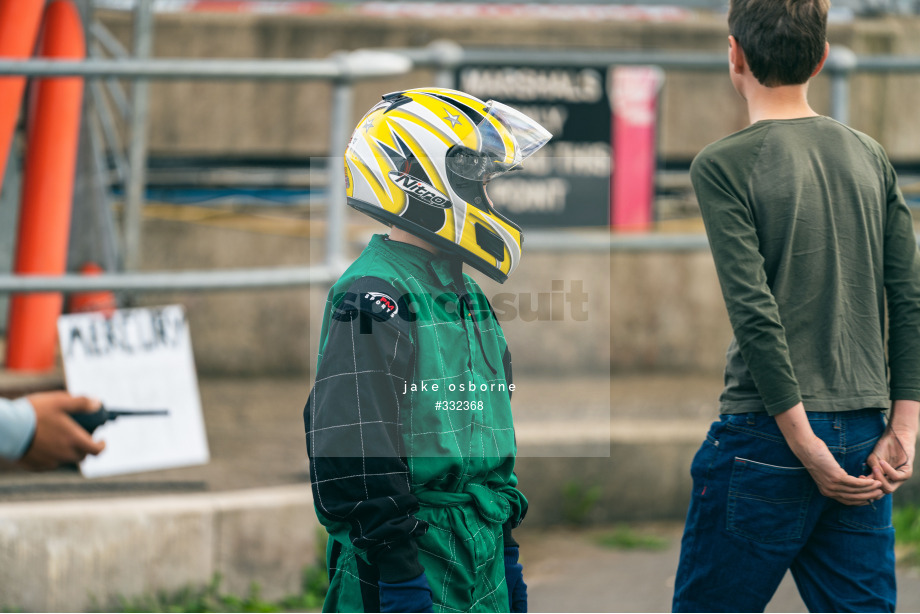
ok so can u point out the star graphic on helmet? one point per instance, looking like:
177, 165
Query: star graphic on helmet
368, 125
453, 119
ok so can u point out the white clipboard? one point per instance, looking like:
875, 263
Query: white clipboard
137, 359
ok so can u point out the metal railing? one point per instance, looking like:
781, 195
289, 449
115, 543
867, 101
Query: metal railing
346, 67
164, 281
342, 70
445, 57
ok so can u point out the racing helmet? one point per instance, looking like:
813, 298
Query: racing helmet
420, 160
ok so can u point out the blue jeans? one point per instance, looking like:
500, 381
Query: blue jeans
755, 512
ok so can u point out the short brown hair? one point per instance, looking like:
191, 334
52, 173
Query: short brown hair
783, 40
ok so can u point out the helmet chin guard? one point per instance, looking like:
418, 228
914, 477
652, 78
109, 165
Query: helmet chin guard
420, 160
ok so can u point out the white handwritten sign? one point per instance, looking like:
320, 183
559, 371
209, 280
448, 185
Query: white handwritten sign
137, 359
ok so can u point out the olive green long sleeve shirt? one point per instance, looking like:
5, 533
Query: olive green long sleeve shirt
810, 234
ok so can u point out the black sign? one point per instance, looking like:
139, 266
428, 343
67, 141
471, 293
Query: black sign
567, 183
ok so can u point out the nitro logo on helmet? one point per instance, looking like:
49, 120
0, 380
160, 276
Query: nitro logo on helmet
419, 189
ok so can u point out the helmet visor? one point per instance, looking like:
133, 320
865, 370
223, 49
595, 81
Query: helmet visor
527, 133
499, 151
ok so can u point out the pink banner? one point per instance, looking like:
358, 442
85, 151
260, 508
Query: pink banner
635, 118
262, 7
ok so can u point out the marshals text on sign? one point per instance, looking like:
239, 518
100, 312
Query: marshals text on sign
567, 183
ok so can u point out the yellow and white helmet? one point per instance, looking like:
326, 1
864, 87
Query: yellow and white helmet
420, 160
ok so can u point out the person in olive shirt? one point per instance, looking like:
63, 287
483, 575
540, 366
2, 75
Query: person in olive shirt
811, 239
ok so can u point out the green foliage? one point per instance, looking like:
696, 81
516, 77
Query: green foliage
626, 538
198, 599
314, 584
578, 502
906, 521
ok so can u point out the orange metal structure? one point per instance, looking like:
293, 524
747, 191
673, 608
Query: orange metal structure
19, 21
101, 300
47, 192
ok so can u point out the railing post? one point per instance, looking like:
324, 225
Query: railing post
841, 62
339, 133
137, 153
447, 56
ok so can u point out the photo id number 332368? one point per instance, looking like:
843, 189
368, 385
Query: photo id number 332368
462, 405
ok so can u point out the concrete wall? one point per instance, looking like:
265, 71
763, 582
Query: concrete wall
67, 556
643, 310
286, 119
665, 310
581, 475
239, 332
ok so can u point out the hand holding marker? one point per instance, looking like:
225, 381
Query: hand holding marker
91, 421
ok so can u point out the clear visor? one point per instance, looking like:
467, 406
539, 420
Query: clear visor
499, 152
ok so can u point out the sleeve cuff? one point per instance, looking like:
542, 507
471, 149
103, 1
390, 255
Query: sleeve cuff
785, 404
398, 562
17, 428
508, 540
905, 394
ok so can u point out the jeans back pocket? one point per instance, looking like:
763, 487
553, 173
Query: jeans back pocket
767, 503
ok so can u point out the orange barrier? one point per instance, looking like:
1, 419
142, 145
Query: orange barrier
47, 192
101, 300
19, 21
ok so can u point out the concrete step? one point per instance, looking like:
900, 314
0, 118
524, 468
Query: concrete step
583, 460
62, 555
67, 556
597, 472
15, 384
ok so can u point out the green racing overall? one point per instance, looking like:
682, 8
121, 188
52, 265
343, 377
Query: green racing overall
410, 435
